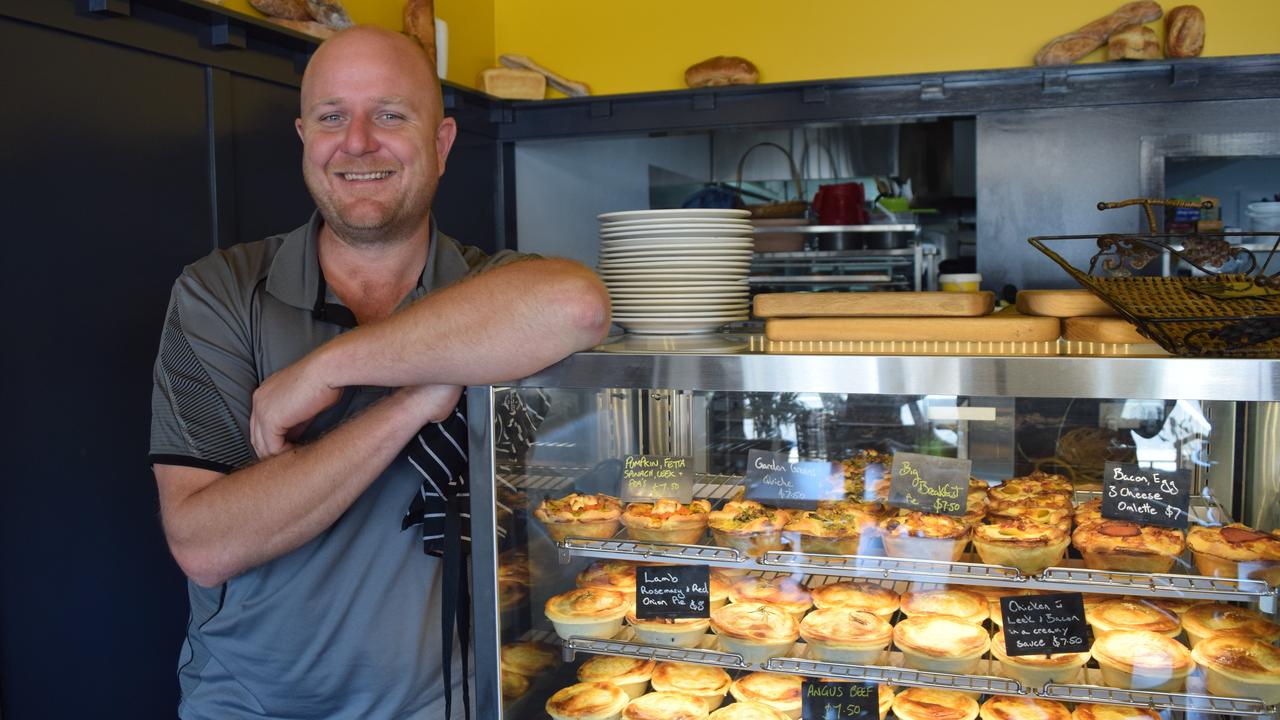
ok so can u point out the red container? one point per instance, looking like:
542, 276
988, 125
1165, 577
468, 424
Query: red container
841, 204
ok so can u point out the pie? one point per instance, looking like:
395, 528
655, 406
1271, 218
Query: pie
630, 674
839, 528
719, 589
1057, 517
756, 631
588, 701
846, 635
924, 536
588, 612
926, 703
966, 605
1085, 711
513, 685
1086, 513
511, 594
1240, 666
856, 594
748, 526
1236, 551
1141, 660
1132, 614
1008, 707
671, 632
781, 591
575, 515
940, 643
746, 711
667, 521
528, 658
778, 691
665, 706
1022, 543
1036, 670
1212, 618
1127, 546
708, 683
1037, 483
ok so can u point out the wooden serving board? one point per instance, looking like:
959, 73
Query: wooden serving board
1062, 303
874, 304
1102, 329
1000, 327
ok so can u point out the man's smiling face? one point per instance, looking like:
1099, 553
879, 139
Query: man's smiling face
374, 143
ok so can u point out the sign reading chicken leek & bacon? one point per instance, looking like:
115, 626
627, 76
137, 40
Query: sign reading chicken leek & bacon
827, 700
1145, 495
646, 478
1044, 624
775, 479
929, 483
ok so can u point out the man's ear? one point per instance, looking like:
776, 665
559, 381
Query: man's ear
446, 133
297, 125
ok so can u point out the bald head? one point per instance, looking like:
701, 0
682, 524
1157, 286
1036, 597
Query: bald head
367, 47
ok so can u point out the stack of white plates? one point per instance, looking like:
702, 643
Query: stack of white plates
676, 272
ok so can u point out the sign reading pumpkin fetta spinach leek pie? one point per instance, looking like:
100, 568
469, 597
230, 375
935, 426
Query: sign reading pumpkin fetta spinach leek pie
929, 483
774, 479
646, 478
833, 700
1145, 495
673, 591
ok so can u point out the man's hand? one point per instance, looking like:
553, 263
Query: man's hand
285, 404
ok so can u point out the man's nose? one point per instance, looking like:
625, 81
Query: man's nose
360, 137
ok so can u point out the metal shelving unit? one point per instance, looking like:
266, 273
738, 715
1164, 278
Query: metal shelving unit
1186, 702
985, 684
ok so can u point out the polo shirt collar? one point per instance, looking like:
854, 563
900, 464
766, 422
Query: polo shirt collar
295, 276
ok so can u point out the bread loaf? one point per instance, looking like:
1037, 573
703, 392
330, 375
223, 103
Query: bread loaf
722, 70
331, 13
513, 84
1068, 48
306, 27
420, 24
287, 9
1136, 42
1184, 32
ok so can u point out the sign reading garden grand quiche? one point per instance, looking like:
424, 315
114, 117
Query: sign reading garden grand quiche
1145, 495
929, 483
839, 700
646, 478
773, 479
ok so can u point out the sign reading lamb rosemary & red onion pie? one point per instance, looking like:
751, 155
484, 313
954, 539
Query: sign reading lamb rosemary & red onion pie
673, 591
649, 477
1044, 624
827, 700
774, 479
929, 483
1145, 495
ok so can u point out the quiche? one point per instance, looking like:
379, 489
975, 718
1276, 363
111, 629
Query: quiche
1127, 546
748, 526
1021, 543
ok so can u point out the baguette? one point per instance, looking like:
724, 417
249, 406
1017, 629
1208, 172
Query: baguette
1184, 32
1136, 42
572, 88
420, 24
1068, 48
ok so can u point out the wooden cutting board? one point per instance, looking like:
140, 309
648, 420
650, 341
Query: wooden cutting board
874, 304
1000, 327
1102, 329
1062, 303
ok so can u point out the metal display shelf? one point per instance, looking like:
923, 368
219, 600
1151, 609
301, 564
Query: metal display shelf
1188, 702
655, 652
800, 227
985, 684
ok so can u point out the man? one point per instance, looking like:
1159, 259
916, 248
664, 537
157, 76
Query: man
293, 377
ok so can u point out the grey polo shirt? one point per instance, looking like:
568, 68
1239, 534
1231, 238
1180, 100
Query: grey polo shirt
346, 626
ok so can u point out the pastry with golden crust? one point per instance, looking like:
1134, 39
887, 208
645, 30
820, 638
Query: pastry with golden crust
846, 635
528, 658
665, 706
514, 566
866, 475
1036, 670
756, 631
709, 684
1038, 482
845, 527
1127, 546
926, 703
1132, 614
1239, 666
924, 536
666, 520
574, 515
778, 691
856, 594
671, 632
1086, 513
588, 701
719, 587
940, 643
630, 674
747, 711
959, 603
1024, 544
781, 591
1054, 517
748, 526
1015, 498
1213, 618
1236, 551
1086, 711
511, 594
1010, 707
1141, 660
513, 685
1177, 606
588, 612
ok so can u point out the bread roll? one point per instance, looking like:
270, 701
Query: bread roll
1068, 48
420, 24
1136, 42
1184, 32
287, 9
331, 13
512, 84
722, 70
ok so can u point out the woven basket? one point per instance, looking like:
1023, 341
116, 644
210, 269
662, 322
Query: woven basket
783, 209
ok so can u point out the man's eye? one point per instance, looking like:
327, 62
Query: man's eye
330, 117
390, 116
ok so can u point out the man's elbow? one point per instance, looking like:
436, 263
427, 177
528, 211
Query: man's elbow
583, 302
200, 566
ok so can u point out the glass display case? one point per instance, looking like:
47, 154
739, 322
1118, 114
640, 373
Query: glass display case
733, 526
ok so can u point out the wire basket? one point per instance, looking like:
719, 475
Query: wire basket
1220, 314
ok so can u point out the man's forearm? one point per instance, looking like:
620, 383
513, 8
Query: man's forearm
500, 325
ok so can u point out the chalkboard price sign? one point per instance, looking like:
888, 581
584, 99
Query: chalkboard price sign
673, 591
929, 483
773, 479
1145, 495
649, 477
839, 700
1044, 624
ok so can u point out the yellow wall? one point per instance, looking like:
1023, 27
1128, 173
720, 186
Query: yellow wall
620, 46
